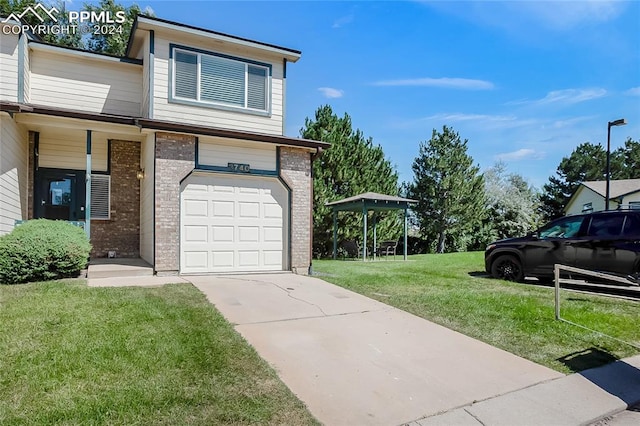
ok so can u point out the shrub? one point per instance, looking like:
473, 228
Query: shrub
40, 250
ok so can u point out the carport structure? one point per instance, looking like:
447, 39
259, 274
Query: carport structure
369, 201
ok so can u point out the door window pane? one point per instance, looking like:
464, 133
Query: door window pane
631, 226
606, 225
564, 228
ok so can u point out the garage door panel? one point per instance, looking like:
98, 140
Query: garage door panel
240, 222
195, 207
196, 260
272, 257
222, 259
195, 233
248, 259
272, 234
249, 210
248, 234
223, 209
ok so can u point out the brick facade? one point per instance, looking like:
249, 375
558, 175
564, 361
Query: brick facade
121, 233
175, 159
295, 170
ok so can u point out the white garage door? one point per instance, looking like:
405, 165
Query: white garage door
233, 223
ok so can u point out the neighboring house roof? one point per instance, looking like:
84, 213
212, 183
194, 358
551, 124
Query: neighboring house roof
617, 188
141, 20
168, 126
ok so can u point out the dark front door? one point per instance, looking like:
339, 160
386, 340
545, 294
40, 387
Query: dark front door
60, 194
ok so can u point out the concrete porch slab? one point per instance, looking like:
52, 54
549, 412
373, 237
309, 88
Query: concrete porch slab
118, 267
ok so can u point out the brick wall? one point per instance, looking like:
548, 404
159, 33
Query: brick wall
121, 232
295, 170
175, 159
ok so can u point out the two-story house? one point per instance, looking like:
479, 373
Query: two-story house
173, 153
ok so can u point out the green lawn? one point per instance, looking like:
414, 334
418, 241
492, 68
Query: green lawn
70, 355
516, 317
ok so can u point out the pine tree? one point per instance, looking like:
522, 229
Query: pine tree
351, 166
449, 190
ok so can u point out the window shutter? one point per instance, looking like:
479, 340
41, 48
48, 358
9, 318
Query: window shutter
257, 87
100, 196
186, 78
222, 80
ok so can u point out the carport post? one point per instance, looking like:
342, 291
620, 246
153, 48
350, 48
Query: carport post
375, 237
405, 233
364, 239
335, 234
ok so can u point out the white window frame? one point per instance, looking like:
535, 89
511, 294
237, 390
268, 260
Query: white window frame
199, 101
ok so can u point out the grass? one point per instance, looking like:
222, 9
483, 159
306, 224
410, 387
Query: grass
70, 354
519, 318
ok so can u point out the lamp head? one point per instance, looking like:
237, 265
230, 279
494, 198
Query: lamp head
620, 122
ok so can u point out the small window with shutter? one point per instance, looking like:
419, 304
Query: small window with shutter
100, 196
220, 81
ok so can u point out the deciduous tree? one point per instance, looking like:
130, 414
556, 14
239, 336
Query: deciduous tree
512, 204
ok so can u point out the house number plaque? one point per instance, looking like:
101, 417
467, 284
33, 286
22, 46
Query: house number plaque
238, 167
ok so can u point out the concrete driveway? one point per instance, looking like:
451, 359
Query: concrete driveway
354, 360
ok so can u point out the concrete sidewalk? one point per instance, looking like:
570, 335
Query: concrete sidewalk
356, 361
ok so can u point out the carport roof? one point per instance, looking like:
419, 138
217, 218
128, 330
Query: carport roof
372, 201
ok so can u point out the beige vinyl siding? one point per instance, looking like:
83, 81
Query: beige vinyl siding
146, 199
215, 151
8, 67
209, 115
87, 84
631, 198
584, 196
26, 71
144, 111
67, 149
14, 147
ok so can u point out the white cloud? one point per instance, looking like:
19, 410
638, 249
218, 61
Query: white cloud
566, 96
469, 117
444, 82
521, 154
342, 21
634, 91
330, 92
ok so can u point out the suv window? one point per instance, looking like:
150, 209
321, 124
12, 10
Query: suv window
606, 225
567, 227
631, 225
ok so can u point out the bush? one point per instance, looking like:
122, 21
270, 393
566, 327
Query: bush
40, 250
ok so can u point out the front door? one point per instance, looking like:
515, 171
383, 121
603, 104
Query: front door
60, 194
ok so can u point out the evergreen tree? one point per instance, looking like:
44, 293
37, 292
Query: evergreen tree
449, 190
112, 43
586, 163
629, 155
351, 166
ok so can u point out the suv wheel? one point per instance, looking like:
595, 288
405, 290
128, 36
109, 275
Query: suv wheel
507, 267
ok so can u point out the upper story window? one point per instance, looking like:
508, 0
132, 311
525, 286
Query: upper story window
220, 81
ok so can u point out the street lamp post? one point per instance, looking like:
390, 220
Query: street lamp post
610, 124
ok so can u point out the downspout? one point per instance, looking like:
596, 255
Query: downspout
313, 157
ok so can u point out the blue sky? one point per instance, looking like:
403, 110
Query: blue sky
524, 82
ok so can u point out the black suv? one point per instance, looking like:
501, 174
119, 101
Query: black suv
602, 241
